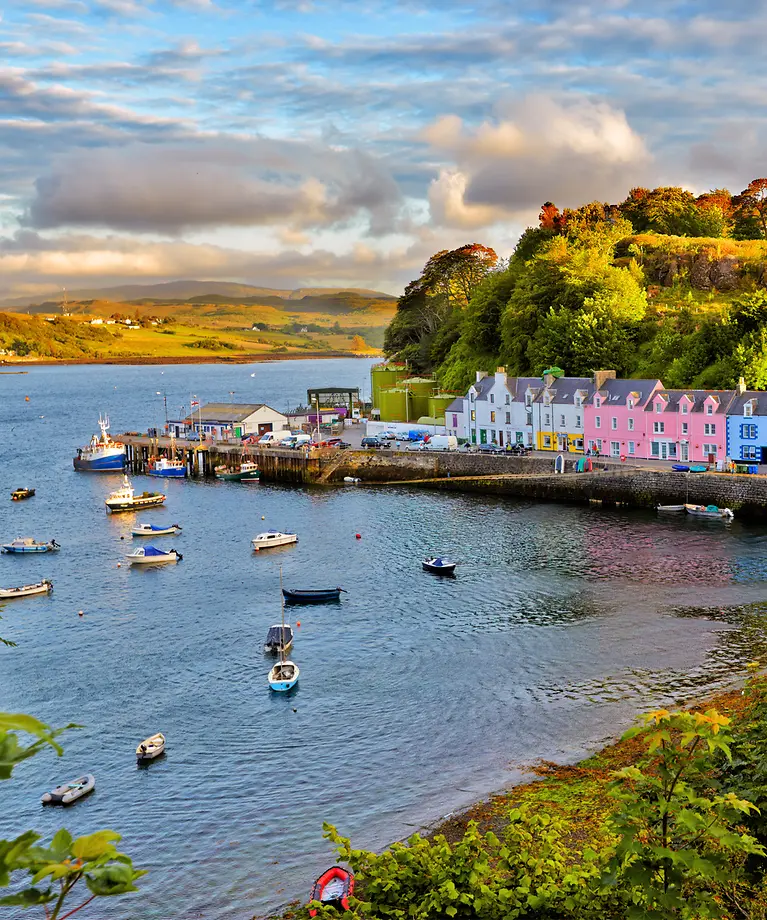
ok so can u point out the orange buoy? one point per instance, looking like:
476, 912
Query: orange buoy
26, 399
119, 565
358, 536
79, 613
263, 517
258, 549
298, 622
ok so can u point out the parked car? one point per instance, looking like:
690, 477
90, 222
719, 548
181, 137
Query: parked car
335, 442
520, 450
419, 445
388, 436
491, 449
372, 443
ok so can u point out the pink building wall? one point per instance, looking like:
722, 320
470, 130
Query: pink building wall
619, 422
696, 433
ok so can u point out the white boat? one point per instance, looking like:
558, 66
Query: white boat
284, 675
271, 538
102, 455
150, 748
166, 468
125, 498
710, 511
670, 509
155, 530
352, 479
70, 792
28, 545
41, 587
150, 555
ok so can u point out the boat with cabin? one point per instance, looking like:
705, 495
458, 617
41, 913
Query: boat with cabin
150, 555
279, 638
150, 748
18, 495
270, 538
712, 512
312, 595
333, 889
28, 545
102, 455
284, 675
156, 530
168, 469
247, 471
67, 793
439, 566
40, 587
125, 498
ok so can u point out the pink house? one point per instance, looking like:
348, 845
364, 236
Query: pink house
688, 425
614, 415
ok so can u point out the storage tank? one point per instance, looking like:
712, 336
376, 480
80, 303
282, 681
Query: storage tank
394, 405
420, 389
383, 377
438, 404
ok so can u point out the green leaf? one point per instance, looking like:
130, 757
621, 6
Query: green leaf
95, 845
30, 897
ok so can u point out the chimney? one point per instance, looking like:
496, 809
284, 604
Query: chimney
548, 379
500, 375
741, 386
481, 375
601, 376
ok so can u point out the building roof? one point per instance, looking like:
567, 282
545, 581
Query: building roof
227, 412
616, 391
483, 387
456, 405
740, 399
563, 389
518, 386
697, 397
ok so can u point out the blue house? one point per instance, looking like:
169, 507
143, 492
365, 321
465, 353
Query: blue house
747, 425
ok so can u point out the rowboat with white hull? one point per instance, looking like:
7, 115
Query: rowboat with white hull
28, 545
713, 512
284, 675
150, 748
40, 587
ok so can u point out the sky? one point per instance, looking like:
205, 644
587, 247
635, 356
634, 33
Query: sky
296, 143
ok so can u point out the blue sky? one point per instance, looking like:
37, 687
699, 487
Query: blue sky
323, 142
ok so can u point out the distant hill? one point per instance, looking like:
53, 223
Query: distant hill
189, 291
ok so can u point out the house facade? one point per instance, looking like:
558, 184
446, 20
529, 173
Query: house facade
747, 426
615, 415
689, 426
230, 420
497, 410
559, 413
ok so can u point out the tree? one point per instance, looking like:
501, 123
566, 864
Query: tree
667, 209
751, 210
550, 218
358, 343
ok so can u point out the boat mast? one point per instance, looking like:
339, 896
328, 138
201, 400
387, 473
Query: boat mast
282, 633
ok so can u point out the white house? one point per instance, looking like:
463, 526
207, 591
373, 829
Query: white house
497, 409
558, 412
223, 420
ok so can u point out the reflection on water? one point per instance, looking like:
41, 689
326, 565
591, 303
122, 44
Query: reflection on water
416, 692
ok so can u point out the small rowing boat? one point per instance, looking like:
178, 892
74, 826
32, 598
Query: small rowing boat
155, 530
284, 675
712, 512
125, 498
28, 545
439, 566
150, 748
270, 538
333, 889
312, 595
19, 495
150, 555
70, 792
40, 587
669, 509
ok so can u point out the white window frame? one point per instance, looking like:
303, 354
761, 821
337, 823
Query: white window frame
685, 408
659, 427
597, 421
748, 409
614, 423
709, 429
631, 424
709, 409
631, 447
685, 428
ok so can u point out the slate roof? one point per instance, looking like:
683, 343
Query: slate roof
616, 391
740, 399
483, 387
457, 405
563, 390
698, 397
226, 412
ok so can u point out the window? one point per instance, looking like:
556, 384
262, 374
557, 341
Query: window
492, 397
659, 406
507, 399
709, 428
631, 424
685, 426
547, 420
597, 402
599, 444
547, 440
709, 409
472, 395
748, 452
562, 423
630, 403
685, 408
578, 401
508, 418
455, 421
658, 427
709, 449
654, 449
597, 421
492, 416
748, 432
473, 415
578, 421
614, 423
748, 409
631, 447
615, 448
528, 399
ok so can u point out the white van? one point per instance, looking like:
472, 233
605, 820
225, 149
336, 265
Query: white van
442, 442
272, 438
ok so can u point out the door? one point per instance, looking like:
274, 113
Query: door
500, 439
483, 436
684, 450
615, 448
562, 442
264, 427
663, 450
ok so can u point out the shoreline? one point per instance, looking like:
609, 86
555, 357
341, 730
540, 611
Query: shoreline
183, 359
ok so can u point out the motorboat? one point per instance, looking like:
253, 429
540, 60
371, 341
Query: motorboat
670, 509
270, 538
279, 638
19, 495
284, 675
247, 471
312, 595
102, 455
28, 545
150, 555
40, 587
439, 566
710, 511
155, 530
125, 498
150, 748
333, 889
169, 469
352, 479
70, 792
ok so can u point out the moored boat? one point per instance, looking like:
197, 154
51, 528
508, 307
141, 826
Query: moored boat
333, 889
150, 748
155, 530
125, 498
102, 455
28, 545
439, 566
247, 471
279, 638
670, 509
284, 675
710, 511
40, 587
150, 555
70, 792
19, 495
270, 538
312, 595
169, 469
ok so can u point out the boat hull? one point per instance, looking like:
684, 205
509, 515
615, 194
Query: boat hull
439, 569
136, 505
27, 549
154, 560
311, 597
164, 532
114, 463
7, 594
70, 792
333, 888
282, 680
284, 540
172, 473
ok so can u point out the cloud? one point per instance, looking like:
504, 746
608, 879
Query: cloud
537, 149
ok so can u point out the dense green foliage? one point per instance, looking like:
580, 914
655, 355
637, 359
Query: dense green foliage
65, 338
652, 287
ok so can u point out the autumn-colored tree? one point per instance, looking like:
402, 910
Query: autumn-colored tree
550, 217
716, 198
751, 210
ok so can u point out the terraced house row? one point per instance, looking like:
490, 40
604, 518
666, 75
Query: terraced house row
620, 418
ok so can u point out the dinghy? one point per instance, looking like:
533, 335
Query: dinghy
284, 675
70, 792
669, 509
28, 545
710, 511
155, 530
150, 748
150, 555
270, 538
41, 587
312, 595
20, 494
333, 889
439, 566
279, 638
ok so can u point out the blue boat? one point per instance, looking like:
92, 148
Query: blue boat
312, 596
102, 455
168, 469
28, 545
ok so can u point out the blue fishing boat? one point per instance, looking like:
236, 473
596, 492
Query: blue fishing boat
168, 469
28, 545
312, 596
102, 455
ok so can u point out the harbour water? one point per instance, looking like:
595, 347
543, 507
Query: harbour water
417, 695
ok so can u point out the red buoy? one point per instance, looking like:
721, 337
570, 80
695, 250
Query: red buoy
358, 536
